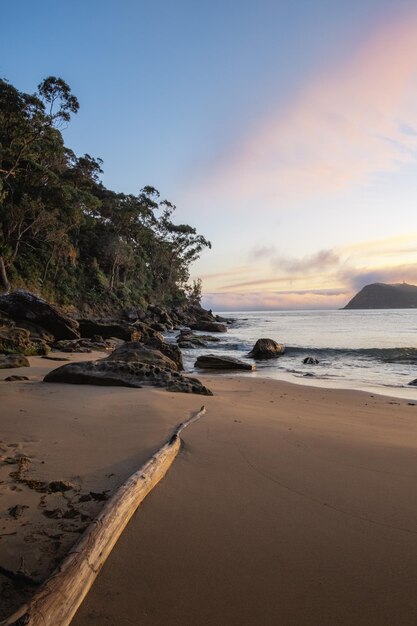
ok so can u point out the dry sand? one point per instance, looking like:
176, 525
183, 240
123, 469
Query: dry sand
90, 437
287, 505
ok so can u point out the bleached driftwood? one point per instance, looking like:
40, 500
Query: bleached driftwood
56, 602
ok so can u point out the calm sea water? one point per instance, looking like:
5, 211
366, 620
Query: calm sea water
356, 349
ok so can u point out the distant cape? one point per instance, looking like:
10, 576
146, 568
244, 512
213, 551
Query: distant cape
383, 296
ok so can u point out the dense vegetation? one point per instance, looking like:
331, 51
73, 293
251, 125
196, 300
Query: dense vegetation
63, 233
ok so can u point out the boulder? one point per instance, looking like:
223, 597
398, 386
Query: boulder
120, 373
208, 326
22, 305
211, 361
266, 349
136, 352
120, 330
311, 360
413, 382
170, 350
13, 360
18, 340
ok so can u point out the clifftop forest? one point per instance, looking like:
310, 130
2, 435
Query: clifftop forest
63, 234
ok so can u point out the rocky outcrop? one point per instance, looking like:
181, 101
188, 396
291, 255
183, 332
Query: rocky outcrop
109, 329
19, 340
193, 313
209, 327
119, 373
87, 345
25, 306
170, 350
187, 339
211, 361
13, 360
384, 296
266, 349
135, 352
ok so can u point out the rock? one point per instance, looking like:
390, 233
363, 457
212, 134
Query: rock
170, 350
122, 374
17, 510
120, 330
191, 341
37, 333
25, 306
13, 360
158, 327
211, 361
413, 382
15, 378
311, 360
188, 345
266, 349
56, 358
136, 352
84, 345
225, 320
17, 340
60, 485
210, 327
187, 340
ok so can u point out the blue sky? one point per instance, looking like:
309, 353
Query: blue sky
223, 106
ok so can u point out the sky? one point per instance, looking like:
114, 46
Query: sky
285, 131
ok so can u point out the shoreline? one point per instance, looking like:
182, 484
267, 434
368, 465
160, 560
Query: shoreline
121, 427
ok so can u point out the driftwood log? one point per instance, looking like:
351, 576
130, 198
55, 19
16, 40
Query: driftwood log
57, 600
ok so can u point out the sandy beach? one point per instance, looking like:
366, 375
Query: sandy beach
287, 504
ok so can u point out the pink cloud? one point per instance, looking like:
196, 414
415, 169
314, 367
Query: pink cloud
357, 119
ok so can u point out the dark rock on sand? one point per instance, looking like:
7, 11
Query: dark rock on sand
211, 361
136, 352
266, 349
118, 373
15, 378
13, 360
413, 382
311, 360
210, 327
25, 306
17, 510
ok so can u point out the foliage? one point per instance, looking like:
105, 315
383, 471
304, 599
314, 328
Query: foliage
63, 233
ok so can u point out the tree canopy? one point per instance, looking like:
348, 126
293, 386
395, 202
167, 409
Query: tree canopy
63, 233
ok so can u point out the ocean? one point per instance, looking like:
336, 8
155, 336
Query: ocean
368, 350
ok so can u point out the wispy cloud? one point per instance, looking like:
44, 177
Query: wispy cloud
355, 278
358, 119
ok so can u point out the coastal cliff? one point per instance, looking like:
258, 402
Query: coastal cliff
383, 296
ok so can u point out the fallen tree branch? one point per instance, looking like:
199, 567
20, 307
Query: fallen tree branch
57, 601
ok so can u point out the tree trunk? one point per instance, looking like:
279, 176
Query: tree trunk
3, 277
